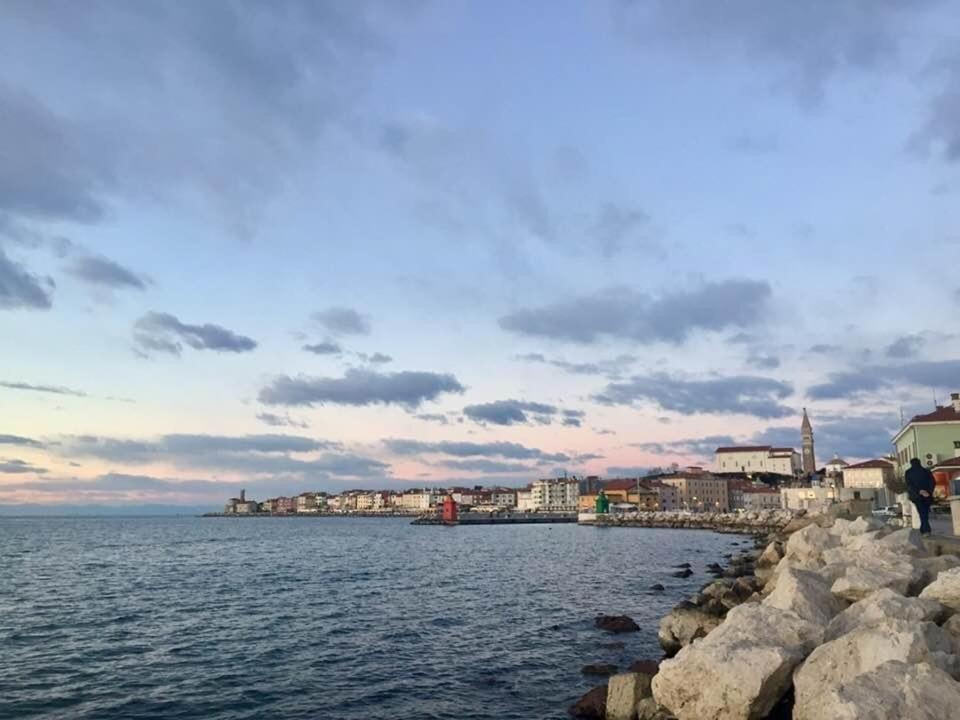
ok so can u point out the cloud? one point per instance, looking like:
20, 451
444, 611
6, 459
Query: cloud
482, 465
850, 436
360, 387
53, 389
20, 289
433, 417
611, 368
764, 362
268, 83
510, 450
872, 378
265, 454
17, 467
798, 46
632, 315
47, 173
616, 225
940, 131
521, 412
700, 447
19, 440
326, 347
743, 394
162, 332
627, 471
281, 420
106, 273
342, 321
377, 358
825, 349
904, 347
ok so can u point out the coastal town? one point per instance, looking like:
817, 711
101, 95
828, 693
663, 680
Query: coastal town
742, 478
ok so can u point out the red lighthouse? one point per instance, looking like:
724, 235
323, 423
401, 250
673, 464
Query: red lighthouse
448, 512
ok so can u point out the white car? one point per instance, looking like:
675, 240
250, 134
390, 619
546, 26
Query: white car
888, 511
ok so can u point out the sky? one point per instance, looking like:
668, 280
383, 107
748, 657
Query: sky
296, 246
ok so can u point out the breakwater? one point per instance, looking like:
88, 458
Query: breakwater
476, 518
752, 522
825, 618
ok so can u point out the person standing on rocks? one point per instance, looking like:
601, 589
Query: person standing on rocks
920, 486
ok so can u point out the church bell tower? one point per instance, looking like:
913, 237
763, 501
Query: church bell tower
806, 435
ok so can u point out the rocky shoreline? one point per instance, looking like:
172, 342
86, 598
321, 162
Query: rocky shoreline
826, 618
758, 521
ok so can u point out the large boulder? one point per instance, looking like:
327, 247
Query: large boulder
881, 606
624, 691
894, 690
945, 590
839, 662
906, 541
805, 547
805, 593
876, 571
771, 555
933, 566
683, 625
599, 669
741, 669
616, 623
860, 526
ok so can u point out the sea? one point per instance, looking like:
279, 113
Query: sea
328, 618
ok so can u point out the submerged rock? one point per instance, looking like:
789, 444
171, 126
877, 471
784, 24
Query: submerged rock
685, 573
599, 669
657, 587
616, 623
592, 705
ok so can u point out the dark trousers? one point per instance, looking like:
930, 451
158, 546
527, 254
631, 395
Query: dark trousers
923, 510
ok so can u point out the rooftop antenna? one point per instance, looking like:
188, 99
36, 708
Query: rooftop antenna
901, 416
934, 391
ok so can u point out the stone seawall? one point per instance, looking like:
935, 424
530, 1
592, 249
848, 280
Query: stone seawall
754, 522
827, 619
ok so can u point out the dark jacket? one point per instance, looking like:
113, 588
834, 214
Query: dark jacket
918, 478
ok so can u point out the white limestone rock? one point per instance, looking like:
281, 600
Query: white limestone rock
881, 606
840, 526
683, 625
805, 547
875, 572
893, 690
906, 541
740, 670
770, 556
841, 661
624, 691
805, 593
861, 526
933, 566
945, 589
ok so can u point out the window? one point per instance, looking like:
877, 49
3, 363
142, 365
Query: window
956, 444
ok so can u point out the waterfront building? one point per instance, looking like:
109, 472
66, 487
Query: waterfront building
699, 490
752, 459
284, 505
934, 438
365, 502
819, 499
420, 500
668, 497
525, 499
267, 506
308, 502
761, 498
835, 467
869, 474
556, 495
622, 491
503, 497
